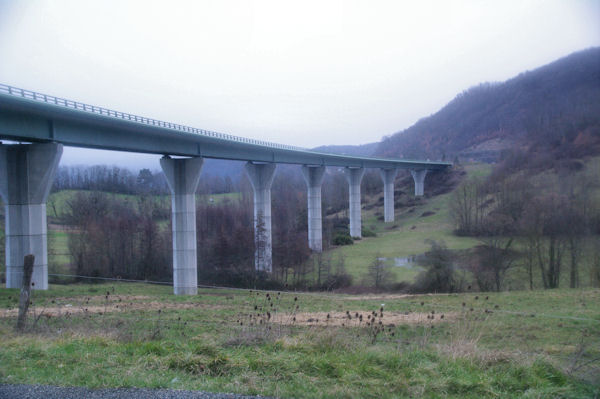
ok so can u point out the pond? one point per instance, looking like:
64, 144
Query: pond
406, 262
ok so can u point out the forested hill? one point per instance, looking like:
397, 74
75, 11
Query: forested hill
364, 150
553, 109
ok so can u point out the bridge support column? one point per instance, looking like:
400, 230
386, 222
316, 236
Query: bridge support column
419, 178
182, 176
261, 178
354, 177
388, 176
26, 175
313, 176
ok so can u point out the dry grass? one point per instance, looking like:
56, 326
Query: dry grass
130, 337
123, 305
383, 297
470, 349
341, 319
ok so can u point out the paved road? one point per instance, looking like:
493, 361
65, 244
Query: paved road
50, 392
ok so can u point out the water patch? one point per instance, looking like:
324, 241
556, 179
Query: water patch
406, 262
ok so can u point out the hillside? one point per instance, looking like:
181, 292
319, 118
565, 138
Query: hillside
355, 150
555, 108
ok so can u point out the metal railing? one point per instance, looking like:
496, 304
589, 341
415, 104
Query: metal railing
62, 102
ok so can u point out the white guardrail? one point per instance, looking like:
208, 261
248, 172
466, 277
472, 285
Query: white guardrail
62, 102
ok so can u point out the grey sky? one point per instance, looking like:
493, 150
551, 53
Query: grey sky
304, 73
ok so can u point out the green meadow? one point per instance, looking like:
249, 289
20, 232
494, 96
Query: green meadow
535, 344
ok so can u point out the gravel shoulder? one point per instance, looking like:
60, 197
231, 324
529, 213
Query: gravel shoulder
8, 391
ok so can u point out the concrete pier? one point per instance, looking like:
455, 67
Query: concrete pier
313, 176
182, 176
388, 176
354, 177
26, 175
419, 178
261, 177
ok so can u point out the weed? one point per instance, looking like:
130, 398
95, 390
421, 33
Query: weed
584, 357
199, 364
299, 345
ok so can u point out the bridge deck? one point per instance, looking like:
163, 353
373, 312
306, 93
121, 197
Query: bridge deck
34, 117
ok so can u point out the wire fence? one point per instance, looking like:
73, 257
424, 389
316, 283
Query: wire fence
329, 295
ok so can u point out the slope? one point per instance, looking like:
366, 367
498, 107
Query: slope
553, 108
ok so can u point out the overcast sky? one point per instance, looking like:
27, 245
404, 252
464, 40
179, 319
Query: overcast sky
302, 72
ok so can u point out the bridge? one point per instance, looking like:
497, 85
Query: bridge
47, 123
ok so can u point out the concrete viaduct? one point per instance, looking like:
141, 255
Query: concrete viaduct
47, 123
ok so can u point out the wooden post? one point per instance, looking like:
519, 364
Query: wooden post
25, 291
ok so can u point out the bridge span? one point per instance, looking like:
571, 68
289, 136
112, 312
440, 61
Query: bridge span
46, 123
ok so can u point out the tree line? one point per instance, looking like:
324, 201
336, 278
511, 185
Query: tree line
115, 179
130, 237
547, 223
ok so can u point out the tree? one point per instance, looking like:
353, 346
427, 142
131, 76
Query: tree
372, 183
595, 269
530, 251
378, 273
494, 259
114, 238
145, 181
339, 278
544, 224
467, 207
334, 192
323, 266
440, 272
578, 217
495, 255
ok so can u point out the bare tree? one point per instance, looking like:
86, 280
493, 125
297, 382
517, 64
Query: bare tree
530, 251
544, 224
595, 269
112, 237
577, 213
467, 206
378, 273
495, 258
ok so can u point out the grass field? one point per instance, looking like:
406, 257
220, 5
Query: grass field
58, 251
407, 236
518, 344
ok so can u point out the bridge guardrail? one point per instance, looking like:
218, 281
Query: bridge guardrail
62, 102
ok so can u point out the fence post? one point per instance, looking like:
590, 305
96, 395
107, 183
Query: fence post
25, 291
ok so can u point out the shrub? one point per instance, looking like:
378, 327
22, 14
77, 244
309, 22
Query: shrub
342, 239
337, 281
366, 232
439, 274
